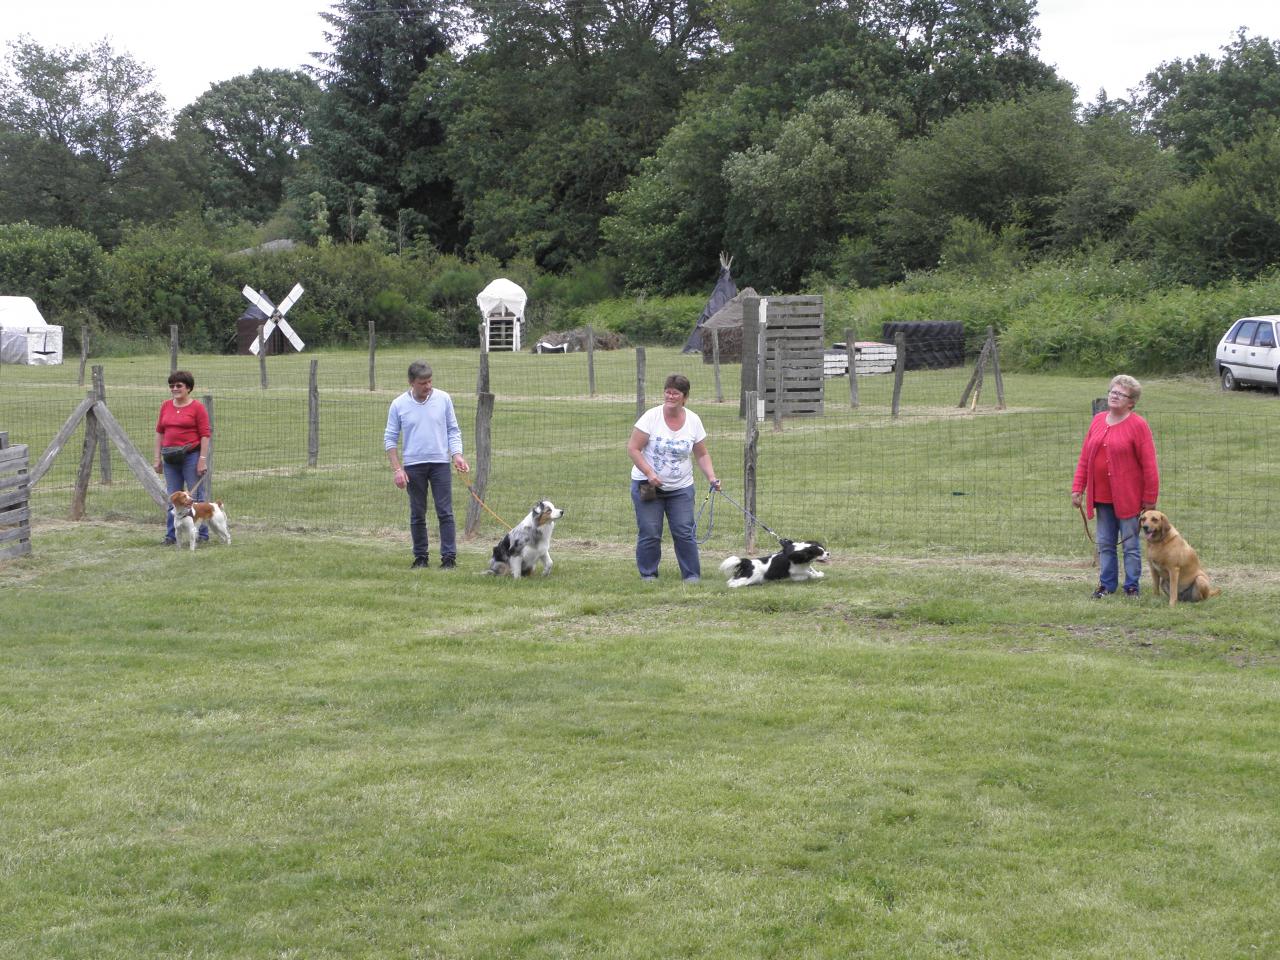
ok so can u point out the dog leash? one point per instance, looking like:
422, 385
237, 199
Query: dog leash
1090, 537
711, 518
471, 490
749, 515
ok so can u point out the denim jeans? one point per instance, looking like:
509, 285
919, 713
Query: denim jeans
420, 476
183, 477
1108, 531
677, 507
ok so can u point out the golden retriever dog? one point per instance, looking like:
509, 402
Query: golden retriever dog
1173, 562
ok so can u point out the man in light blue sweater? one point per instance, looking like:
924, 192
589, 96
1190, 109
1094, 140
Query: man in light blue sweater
423, 418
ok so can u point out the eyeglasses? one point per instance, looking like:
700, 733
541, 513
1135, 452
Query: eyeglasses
1119, 393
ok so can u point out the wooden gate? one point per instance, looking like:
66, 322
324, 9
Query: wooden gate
794, 327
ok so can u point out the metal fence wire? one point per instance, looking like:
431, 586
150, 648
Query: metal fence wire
938, 479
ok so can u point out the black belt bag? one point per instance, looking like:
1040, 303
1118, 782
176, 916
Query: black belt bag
176, 456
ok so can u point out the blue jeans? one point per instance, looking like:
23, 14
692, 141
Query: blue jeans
420, 476
1108, 531
677, 507
183, 477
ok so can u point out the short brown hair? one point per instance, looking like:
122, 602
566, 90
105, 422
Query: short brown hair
182, 376
678, 381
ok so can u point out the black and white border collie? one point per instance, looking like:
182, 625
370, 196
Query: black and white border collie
527, 543
792, 562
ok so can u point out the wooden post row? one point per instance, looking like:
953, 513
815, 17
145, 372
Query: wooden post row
899, 368
749, 462
640, 404
483, 458
313, 416
851, 351
104, 444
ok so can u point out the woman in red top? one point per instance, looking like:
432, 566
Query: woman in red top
1118, 471
183, 422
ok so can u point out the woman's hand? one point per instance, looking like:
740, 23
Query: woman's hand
1077, 499
202, 466
399, 478
158, 466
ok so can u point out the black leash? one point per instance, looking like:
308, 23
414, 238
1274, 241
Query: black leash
748, 514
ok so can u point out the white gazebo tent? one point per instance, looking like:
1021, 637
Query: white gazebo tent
25, 337
502, 307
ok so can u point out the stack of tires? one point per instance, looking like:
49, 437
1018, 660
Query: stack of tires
930, 344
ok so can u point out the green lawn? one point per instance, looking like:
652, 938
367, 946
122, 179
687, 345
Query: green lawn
294, 747
937, 480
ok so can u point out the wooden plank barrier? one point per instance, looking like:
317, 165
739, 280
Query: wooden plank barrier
794, 324
15, 499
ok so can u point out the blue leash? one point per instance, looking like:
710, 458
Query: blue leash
711, 516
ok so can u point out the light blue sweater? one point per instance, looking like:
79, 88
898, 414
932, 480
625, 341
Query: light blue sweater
429, 429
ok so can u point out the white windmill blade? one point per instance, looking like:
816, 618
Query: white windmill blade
290, 300
290, 335
258, 300
268, 328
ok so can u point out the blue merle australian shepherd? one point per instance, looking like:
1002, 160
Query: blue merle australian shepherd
527, 543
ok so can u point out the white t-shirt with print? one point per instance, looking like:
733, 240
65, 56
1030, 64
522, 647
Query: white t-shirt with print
669, 452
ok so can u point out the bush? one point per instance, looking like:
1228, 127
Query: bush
59, 268
665, 321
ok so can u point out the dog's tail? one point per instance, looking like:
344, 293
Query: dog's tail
730, 563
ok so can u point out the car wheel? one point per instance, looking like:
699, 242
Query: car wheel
1229, 381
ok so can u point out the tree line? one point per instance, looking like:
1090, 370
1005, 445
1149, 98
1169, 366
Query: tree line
626, 143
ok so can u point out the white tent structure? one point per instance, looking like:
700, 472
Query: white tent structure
501, 305
25, 337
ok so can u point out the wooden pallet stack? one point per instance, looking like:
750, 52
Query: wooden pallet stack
794, 326
868, 357
15, 500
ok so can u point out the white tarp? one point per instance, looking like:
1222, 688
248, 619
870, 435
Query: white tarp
25, 337
502, 296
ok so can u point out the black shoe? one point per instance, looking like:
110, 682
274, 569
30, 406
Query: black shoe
448, 563
1100, 592
419, 562
1131, 592
166, 542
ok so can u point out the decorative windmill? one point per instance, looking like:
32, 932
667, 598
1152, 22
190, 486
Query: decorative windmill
274, 315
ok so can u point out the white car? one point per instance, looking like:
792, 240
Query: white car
1248, 353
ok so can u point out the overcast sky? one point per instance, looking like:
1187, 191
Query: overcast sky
1093, 43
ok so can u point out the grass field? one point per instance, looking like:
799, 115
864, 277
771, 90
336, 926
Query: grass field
936, 480
294, 747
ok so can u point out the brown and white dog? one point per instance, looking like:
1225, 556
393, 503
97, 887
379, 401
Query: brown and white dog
188, 514
1175, 568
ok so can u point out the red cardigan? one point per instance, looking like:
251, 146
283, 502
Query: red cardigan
1131, 462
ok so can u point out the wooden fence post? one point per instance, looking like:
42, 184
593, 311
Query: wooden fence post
715, 362
206, 483
313, 415
995, 368
15, 499
104, 444
851, 351
749, 461
373, 350
482, 378
173, 347
899, 368
85, 472
640, 407
591, 361
84, 351
779, 383
484, 456
262, 356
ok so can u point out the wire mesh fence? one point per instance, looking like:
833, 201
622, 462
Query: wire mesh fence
939, 479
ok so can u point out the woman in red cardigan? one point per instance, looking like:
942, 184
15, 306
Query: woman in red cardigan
182, 429
1118, 471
